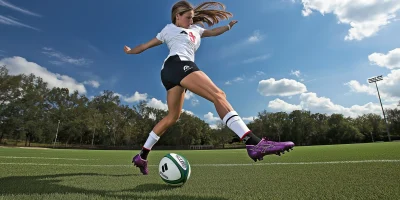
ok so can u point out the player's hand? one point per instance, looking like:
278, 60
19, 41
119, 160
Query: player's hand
233, 22
127, 49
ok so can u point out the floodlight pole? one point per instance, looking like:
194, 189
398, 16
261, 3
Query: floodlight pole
55, 140
374, 80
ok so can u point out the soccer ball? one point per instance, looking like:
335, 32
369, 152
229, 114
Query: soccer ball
174, 169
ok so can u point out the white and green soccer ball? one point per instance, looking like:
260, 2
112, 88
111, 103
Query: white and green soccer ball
174, 169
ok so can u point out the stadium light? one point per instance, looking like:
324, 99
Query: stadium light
55, 140
374, 80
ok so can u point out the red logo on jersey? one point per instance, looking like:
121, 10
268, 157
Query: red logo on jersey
192, 37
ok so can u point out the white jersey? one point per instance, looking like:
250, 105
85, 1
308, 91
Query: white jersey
181, 41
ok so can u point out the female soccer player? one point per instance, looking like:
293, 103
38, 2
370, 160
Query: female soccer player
179, 72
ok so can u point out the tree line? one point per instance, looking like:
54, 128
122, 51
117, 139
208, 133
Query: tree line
33, 113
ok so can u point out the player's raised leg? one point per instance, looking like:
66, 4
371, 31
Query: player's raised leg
199, 83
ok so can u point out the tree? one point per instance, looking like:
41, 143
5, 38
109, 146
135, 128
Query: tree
9, 91
393, 118
30, 110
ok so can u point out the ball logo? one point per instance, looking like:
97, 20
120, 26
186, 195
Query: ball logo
163, 175
181, 161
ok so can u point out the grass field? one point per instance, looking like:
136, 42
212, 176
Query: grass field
357, 171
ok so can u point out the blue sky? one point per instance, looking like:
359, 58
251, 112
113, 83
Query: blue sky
281, 55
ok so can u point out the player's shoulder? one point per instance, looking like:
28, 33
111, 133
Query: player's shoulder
199, 29
169, 27
195, 26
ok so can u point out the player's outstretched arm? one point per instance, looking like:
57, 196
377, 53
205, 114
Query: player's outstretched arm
142, 47
218, 31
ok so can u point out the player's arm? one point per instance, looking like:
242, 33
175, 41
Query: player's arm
217, 31
142, 47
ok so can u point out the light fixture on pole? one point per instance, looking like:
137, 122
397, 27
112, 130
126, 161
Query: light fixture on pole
55, 140
374, 80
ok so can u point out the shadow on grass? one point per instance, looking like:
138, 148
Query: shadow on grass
52, 184
151, 187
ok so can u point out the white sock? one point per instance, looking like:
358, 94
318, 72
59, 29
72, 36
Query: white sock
236, 124
151, 140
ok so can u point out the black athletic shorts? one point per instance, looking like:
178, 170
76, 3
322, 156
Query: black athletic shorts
175, 70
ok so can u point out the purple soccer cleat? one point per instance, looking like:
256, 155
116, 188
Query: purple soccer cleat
142, 164
267, 147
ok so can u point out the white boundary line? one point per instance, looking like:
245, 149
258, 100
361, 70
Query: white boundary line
218, 165
46, 158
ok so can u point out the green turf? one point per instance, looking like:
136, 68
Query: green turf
93, 174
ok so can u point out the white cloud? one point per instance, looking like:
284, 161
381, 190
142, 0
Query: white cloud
56, 62
297, 73
281, 105
14, 7
195, 102
390, 60
92, 83
152, 116
213, 126
235, 80
136, 97
238, 46
260, 73
188, 112
355, 86
240, 79
283, 87
310, 101
254, 77
12, 22
255, 37
255, 59
249, 119
64, 58
18, 65
155, 103
209, 118
388, 87
189, 95
366, 17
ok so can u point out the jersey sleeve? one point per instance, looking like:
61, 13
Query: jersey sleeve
199, 29
161, 35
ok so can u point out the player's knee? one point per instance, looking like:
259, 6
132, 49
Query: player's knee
220, 95
173, 118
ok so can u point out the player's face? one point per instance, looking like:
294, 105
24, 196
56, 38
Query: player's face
186, 19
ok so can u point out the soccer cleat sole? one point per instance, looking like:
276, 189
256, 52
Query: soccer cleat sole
277, 153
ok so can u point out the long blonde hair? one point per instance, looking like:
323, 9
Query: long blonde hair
208, 12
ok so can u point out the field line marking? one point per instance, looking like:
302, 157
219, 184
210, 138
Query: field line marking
216, 165
46, 158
